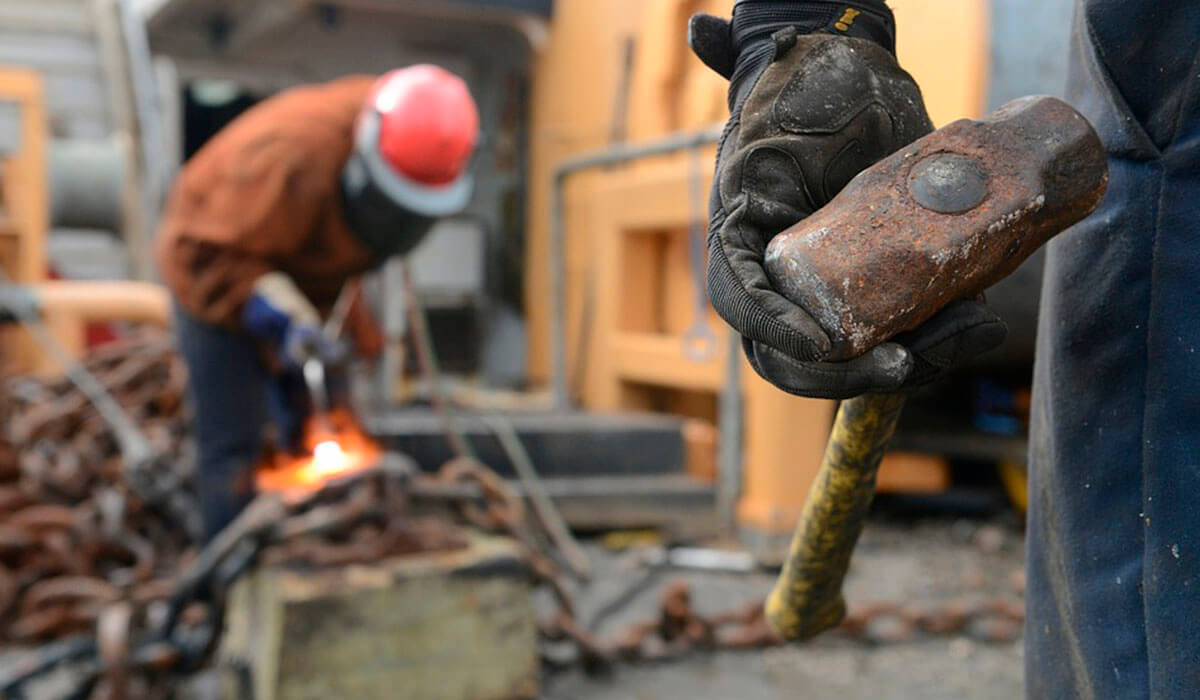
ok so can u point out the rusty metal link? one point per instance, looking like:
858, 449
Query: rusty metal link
75, 539
678, 629
503, 511
994, 620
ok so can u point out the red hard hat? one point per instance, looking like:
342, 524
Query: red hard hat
428, 123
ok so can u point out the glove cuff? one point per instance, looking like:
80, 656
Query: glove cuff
757, 20
276, 306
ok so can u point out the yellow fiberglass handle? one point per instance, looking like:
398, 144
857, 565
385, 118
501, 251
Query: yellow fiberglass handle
807, 598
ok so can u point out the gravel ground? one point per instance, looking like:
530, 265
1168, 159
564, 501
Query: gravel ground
927, 562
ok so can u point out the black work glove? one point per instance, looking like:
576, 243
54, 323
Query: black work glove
815, 97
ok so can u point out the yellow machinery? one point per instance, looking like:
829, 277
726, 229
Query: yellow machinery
635, 333
24, 219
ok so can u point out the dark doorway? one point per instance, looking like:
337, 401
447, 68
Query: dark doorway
207, 107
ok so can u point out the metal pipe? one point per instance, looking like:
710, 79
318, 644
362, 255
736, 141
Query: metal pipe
87, 183
558, 263
140, 302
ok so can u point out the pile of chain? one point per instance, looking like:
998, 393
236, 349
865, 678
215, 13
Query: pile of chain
109, 581
63, 449
140, 643
74, 536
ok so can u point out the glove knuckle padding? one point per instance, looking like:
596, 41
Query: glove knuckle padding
835, 105
774, 185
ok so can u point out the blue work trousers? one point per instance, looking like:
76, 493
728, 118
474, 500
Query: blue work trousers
1114, 519
233, 398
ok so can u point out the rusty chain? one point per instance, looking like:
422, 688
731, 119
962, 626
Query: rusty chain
74, 535
116, 589
679, 629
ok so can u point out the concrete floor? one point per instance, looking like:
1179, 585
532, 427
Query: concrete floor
928, 562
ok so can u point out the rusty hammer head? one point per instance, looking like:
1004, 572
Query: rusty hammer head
938, 221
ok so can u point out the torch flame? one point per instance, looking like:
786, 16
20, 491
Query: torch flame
329, 456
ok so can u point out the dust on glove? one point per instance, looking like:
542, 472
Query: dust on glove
816, 96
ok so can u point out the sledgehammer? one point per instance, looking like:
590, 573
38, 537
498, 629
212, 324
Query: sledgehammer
938, 221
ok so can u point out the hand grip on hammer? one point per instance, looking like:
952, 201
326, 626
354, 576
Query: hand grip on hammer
940, 220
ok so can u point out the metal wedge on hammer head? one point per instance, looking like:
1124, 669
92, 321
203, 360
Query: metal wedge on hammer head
938, 221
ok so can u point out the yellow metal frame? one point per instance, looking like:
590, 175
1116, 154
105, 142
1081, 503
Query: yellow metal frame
24, 223
24, 199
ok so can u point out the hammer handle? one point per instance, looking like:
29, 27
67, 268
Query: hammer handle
807, 598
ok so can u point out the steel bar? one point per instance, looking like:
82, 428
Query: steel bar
543, 506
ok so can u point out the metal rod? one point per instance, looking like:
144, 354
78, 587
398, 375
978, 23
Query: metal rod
543, 506
427, 360
558, 261
314, 377
544, 509
347, 296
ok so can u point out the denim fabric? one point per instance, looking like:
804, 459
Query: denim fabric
228, 390
1114, 526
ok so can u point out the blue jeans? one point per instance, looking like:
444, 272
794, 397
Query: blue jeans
1114, 525
233, 397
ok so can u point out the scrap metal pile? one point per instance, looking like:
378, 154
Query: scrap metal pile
106, 574
74, 537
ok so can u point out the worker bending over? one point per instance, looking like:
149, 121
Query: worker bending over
1114, 531
268, 222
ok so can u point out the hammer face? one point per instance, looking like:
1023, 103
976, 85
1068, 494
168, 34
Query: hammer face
938, 221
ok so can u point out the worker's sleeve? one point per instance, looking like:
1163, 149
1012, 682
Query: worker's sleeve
212, 282
257, 209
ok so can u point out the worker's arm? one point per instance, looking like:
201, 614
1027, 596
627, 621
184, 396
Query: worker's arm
815, 96
229, 288
280, 316
235, 214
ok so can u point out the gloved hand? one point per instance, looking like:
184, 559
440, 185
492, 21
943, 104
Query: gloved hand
815, 97
279, 314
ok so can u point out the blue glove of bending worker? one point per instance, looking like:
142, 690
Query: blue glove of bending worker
279, 315
815, 96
